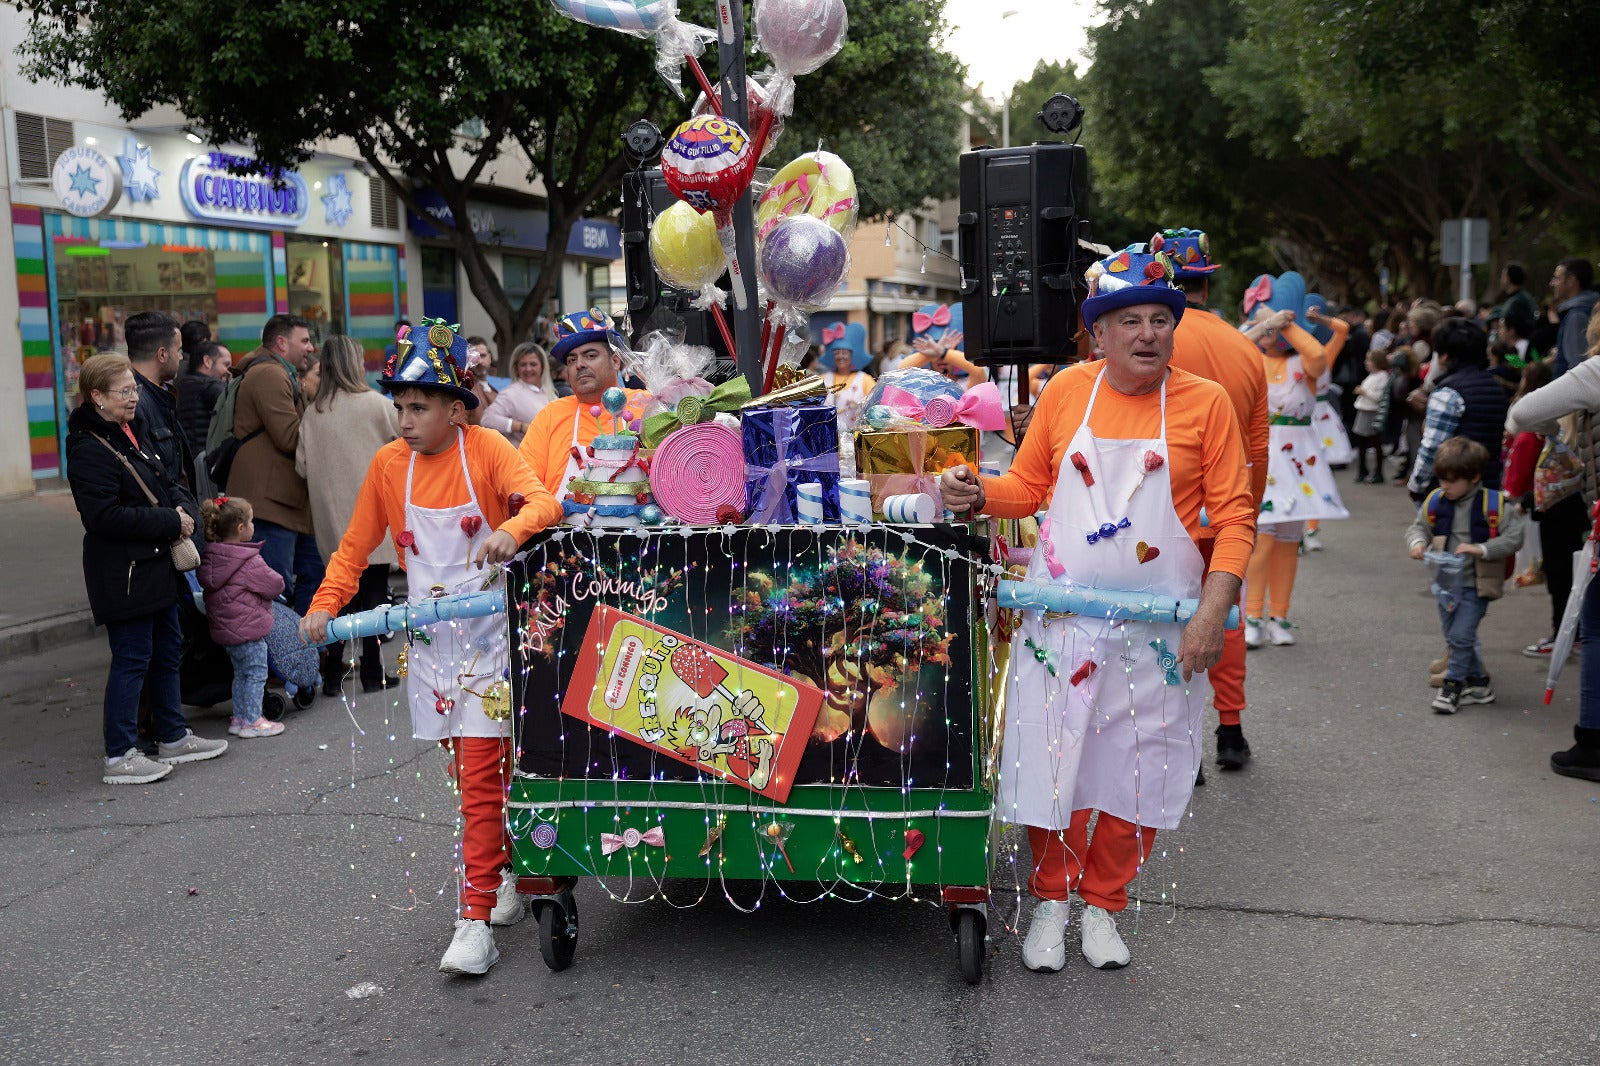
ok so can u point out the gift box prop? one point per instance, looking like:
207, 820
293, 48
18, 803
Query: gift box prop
783, 447
909, 462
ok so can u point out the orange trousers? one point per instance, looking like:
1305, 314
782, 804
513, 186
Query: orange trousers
480, 768
1227, 677
1271, 573
1099, 869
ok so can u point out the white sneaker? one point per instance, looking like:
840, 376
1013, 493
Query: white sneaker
510, 907
1045, 948
1311, 541
134, 768
1102, 946
1278, 632
1253, 636
472, 951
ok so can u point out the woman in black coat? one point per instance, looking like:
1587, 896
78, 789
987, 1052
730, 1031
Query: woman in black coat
127, 568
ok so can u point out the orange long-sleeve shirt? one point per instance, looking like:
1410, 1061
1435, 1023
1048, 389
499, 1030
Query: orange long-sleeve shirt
497, 472
1206, 345
1206, 457
548, 443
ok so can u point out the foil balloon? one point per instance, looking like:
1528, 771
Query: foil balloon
654, 19
757, 94
818, 184
803, 263
708, 163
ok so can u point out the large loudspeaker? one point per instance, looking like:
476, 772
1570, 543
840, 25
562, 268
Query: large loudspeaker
1022, 212
652, 303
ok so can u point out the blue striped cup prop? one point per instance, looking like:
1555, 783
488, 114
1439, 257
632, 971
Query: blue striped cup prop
855, 501
914, 508
809, 502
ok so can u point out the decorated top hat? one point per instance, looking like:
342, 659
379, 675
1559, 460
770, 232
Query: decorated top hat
1189, 250
1136, 275
936, 321
850, 338
430, 356
584, 327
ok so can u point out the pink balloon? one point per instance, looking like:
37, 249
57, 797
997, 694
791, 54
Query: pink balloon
800, 35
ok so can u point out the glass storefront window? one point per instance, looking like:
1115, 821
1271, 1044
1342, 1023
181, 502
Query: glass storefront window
98, 285
439, 284
316, 284
519, 274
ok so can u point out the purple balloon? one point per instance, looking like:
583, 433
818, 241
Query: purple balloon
804, 262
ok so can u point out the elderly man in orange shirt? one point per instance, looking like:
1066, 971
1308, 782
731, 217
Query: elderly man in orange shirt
1103, 714
590, 348
1207, 345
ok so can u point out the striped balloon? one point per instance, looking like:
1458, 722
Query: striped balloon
639, 17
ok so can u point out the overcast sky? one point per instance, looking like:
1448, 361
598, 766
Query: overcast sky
1001, 52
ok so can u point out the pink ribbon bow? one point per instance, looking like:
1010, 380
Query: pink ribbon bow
632, 838
980, 408
1258, 293
1049, 547
921, 323
833, 333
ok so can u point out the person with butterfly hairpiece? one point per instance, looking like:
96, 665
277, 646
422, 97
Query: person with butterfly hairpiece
452, 498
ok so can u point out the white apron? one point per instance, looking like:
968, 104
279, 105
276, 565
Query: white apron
850, 403
461, 659
1336, 444
1123, 739
1300, 481
573, 467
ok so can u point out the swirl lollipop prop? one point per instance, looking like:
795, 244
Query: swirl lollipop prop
688, 255
708, 164
657, 20
698, 472
800, 36
803, 264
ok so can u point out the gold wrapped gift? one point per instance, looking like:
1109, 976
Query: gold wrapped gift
895, 462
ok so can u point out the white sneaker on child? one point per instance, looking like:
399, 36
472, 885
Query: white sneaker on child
472, 951
261, 727
510, 906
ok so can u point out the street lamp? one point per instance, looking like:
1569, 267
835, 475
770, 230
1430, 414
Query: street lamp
1005, 120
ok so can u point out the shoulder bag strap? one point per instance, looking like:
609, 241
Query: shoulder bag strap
124, 459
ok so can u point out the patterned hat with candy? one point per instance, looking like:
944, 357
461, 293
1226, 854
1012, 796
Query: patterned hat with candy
1135, 275
430, 356
1189, 250
583, 327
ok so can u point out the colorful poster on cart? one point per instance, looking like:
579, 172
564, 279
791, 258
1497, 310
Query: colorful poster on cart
722, 714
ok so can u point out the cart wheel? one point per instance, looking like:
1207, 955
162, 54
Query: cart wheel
970, 929
558, 931
272, 706
304, 697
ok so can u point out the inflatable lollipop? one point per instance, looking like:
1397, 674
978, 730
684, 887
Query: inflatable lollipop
803, 263
708, 163
819, 184
688, 255
757, 94
800, 36
654, 19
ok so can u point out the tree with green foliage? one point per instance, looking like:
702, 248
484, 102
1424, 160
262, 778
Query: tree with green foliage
439, 96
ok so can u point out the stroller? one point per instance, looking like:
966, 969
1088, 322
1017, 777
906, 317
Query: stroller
205, 673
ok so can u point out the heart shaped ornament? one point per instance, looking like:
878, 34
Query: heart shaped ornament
1146, 552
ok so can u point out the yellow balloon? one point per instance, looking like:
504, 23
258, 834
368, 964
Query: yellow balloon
684, 246
818, 183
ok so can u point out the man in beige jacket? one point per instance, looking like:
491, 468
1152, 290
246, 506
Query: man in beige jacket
267, 418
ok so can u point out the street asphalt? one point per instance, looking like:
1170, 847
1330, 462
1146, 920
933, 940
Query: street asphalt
1381, 885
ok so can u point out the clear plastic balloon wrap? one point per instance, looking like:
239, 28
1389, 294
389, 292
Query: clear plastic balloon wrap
800, 36
758, 93
819, 184
655, 20
803, 264
920, 382
687, 253
671, 369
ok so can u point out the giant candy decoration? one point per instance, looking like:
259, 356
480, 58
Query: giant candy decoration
800, 36
655, 19
708, 163
698, 471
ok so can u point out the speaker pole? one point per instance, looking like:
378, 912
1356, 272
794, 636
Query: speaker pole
736, 106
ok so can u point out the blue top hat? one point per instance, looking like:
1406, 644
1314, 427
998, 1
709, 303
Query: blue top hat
1189, 250
430, 356
1136, 275
936, 321
850, 338
583, 327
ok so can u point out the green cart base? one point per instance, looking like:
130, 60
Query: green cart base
839, 841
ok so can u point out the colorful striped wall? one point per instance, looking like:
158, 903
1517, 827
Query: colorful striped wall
38, 361
372, 296
241, 298
280, 273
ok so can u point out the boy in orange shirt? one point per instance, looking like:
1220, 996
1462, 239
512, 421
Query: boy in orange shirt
453, 497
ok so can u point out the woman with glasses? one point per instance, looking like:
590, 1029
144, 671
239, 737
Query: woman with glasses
132, 513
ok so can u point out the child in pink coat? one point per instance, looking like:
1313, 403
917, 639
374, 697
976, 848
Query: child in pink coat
239, 589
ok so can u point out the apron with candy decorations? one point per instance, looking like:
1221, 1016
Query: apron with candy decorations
1098, 714
1300, 482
